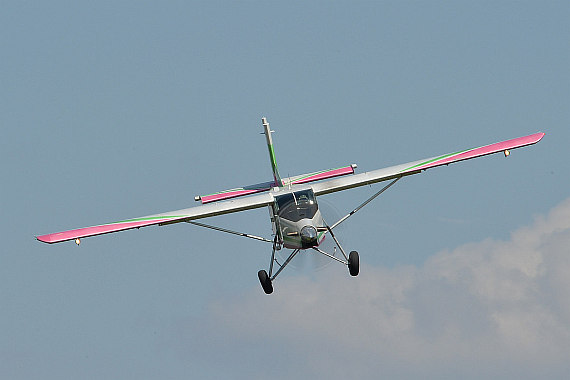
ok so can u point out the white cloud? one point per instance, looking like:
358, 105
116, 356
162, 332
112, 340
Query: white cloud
489, 309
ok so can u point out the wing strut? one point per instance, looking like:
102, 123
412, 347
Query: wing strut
229, 231
364, 203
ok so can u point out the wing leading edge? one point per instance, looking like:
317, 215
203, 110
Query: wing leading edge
415, 167
178, 216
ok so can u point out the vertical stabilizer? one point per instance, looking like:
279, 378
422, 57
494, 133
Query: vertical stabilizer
268, 131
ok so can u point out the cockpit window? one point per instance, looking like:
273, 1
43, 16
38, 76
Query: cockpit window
296, 206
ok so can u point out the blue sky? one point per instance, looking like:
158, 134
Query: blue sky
115, 110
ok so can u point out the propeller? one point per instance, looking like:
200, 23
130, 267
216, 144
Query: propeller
309, 260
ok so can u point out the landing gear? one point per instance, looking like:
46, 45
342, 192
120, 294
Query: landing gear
265, 282
353, 263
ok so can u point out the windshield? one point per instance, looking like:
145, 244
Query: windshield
296, 206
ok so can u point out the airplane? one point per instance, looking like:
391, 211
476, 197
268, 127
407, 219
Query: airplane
297, 221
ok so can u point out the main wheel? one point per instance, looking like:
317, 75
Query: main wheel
353, 263
265, 282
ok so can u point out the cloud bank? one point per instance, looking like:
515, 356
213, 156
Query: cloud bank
497, 309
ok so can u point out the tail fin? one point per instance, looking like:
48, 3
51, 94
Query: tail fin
268, 131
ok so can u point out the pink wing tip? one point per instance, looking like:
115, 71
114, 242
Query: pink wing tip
43, 238
526, 140
103, 229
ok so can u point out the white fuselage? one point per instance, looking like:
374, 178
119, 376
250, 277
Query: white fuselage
297, 220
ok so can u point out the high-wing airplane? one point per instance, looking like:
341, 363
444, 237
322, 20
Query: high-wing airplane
297, 221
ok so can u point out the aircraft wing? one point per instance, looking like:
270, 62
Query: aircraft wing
261, 200
184, 215
415, 167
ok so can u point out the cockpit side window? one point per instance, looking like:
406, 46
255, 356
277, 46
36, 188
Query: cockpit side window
283, 200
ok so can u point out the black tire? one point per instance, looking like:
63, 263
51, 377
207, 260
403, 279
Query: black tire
353, 263
265, 282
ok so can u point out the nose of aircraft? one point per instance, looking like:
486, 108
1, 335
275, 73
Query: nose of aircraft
308, 236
